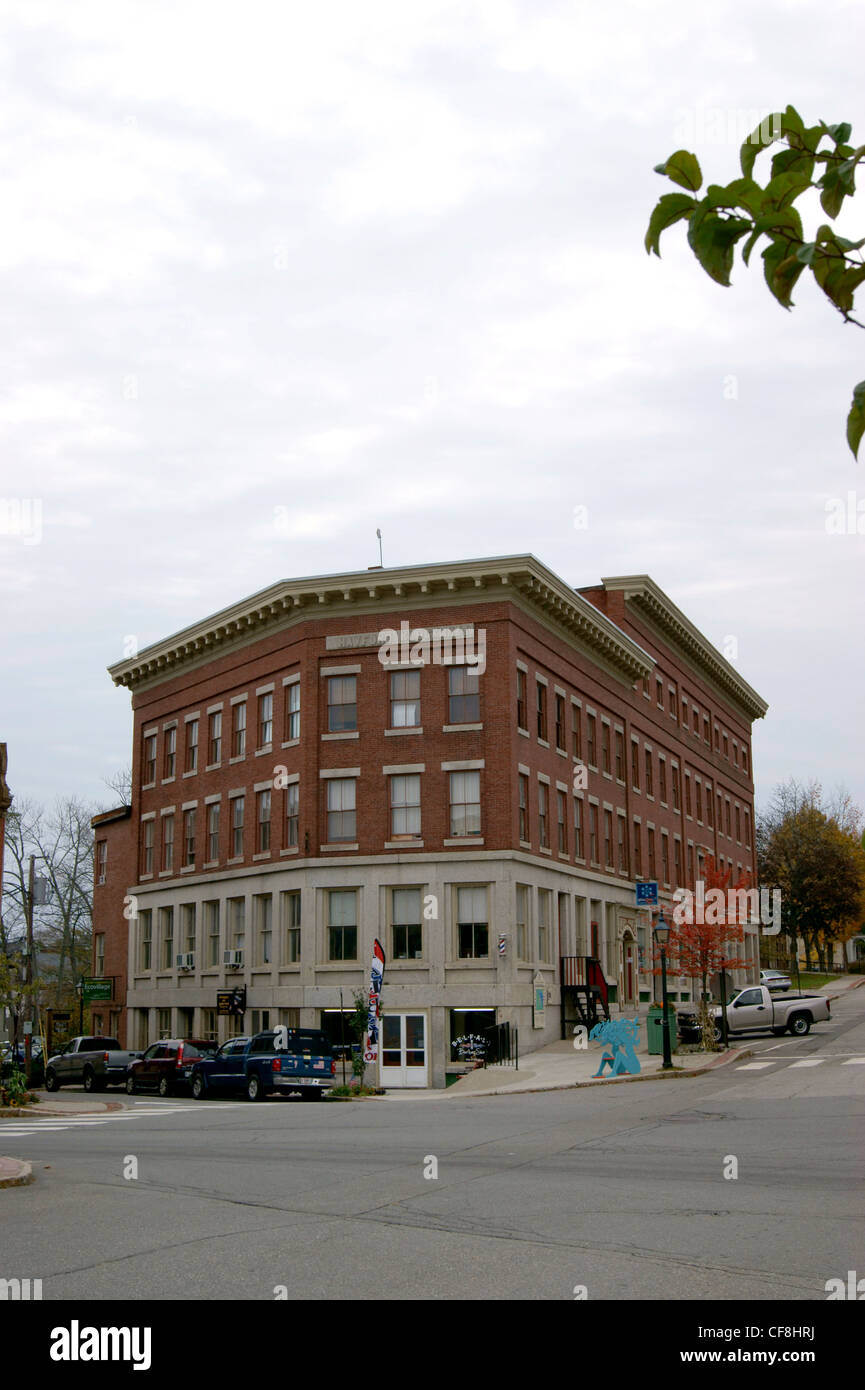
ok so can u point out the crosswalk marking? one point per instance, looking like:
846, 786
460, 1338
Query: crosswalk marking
755, 1066
809, 1062
35, 1125
854, 1062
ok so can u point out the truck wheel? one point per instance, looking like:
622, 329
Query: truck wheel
800, 1025
51, 1081
254, 1088
89, 1080
719, 1036
164, 1087
130, 1085
199, 1090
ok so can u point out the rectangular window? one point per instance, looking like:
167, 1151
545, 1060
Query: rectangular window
542, 709
659, 693
465, 803
145, 927
560, 721
738, 826
674, 777
719, 821
690, 863
608, 839
576, 733
406, 923
620, 756
543, 838
563, 822
341, 704
187, 928
209, 1024
717, 739
522, 712
605, 748
99, 953
163, 1023
147, 847
341, 810
651, 844
464, 700
101, 860
705, 728
166, 937
263, 800
650, 786
671, 701
213, 832
292, 808
744, 760
696, 725
729, 828
292, 711
665, 856
211, 931
544, 918
677, 861
192, 745
189, 838
578, 827
405, 699
662, 780
709, 804
726, 747
265, 720
623, 844
238, 729
687, 793
747, 828
215, 738
522, 921
405, 807
150, 759
262, 906
593, 833
698, 796
638, 850
290, 913
591, 732
635, 766
342, 924
237, 813
237, 923
524, 807
170, 752
167, 844
472, 923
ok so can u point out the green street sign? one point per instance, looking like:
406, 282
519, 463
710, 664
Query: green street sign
97, 989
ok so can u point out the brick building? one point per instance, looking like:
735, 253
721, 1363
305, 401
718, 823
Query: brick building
296, 796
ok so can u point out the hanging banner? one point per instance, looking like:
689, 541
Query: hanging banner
376, 975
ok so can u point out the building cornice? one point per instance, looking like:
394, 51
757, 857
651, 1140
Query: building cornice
292, 601
651, 602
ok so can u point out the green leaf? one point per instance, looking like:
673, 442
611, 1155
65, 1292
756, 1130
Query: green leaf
741, 193
774, 222
840, 133
672, 207
833, 192
713, 239
783, 190
682, 167
841, 284
778, 126
856, 419
806, 253
793, 162
781, 271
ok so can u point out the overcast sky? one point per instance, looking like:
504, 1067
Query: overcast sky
276, 274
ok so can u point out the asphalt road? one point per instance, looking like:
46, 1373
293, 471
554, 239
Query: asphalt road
620, 1190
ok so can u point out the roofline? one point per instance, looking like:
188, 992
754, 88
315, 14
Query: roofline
642, 591
281, 604
106, 817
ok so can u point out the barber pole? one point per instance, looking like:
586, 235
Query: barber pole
376, 975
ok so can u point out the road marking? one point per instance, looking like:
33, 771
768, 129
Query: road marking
755, 1066
809, 1062
854, 1062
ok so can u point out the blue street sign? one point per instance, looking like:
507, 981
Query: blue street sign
647, 894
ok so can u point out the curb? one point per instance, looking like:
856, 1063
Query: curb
723, 1060
45, 1108
20, 1174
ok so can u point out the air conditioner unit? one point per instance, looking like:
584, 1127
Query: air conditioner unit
233, 960
186, 961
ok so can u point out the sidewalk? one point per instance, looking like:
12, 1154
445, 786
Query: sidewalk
561, 1066
15, 1172
55, 1105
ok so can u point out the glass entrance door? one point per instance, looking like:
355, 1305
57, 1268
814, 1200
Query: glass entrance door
403, 1050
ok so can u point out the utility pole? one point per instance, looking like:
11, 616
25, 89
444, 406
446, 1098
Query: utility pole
28, 972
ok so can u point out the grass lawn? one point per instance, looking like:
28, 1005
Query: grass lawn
811, 980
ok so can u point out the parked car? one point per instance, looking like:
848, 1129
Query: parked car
94, 1062
753, 1010
775, 979
167, 1066
287, 1059
14, 1058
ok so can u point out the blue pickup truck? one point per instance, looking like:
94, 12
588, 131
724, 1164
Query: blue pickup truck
280, 1059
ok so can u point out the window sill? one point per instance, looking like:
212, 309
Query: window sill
213, 767
211, 864
330, 738
260, 752
542, 849
525, 844
238, 758
336, 849
294, 849
191, 772
543, 742
145, 878
403, 844
460, 728
166, 780
237, 859
265, 854
148, 786
464, 840
187, 869
166, 873
292, 743
410, 729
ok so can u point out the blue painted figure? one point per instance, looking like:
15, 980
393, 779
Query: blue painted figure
619, 1037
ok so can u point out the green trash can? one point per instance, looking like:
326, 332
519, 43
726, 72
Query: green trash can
655, 1030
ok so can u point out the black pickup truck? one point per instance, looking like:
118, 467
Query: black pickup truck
93, 1063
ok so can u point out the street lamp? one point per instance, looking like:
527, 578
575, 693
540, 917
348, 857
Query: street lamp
662, 934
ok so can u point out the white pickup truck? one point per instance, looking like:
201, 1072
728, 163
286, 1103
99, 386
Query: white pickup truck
754, 1008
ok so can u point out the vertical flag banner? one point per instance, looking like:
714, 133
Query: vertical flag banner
376, 975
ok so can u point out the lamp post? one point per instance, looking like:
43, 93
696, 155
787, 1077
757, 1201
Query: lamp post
662, 933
